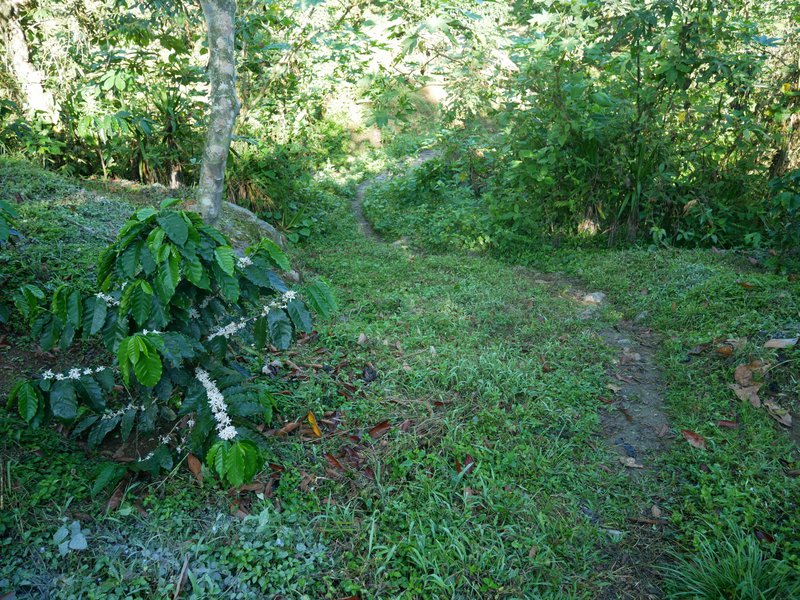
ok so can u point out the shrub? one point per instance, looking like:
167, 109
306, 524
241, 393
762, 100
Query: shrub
172, 298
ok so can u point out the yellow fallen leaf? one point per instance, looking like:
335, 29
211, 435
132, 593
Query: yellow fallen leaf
313, 420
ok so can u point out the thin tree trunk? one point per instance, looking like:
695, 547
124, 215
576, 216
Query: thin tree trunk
220, 22
29, 78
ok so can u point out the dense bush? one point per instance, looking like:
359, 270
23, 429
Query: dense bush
172, 298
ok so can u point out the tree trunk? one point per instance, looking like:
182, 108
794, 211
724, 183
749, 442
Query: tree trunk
220, 22
29, 78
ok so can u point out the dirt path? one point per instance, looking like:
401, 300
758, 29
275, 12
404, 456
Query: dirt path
358, 200
634, 425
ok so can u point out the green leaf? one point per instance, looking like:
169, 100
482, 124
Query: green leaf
280, 329
99, 310
320, 297
28, 399
148, 368
235, 464
105, 264
129, 260
141, 301
126, 425
63, 403
110, 474
122, 360
260, 332
167, 202
101, 429
154, 241
225, 259
175, 226
74, 309
145, 213
300, 316
276, 255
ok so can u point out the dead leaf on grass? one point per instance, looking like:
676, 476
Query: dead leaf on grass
745, 372
379, 430
781, 343
749, 393
630, 462
289, 428
469, 464
196, 467
781, 415
332, 461
695, 440
727, 424
362, 339
313, 421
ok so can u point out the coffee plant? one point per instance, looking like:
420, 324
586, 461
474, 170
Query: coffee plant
174, 306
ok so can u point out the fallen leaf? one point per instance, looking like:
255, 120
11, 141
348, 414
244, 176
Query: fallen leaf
749, 393
655, 511
406, 425
699, 349
695, 440
314, 427
744, 373
763, 536
630, 462
728, 424
379, 429
196, 467
724, 350
746, 285
781, 415
781, 343
289, 427
469, 463
332, 461
116, 496
362, 339
646, 521
663, 431
369, 373
613, 388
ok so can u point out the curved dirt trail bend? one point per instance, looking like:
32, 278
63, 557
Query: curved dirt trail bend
634, 426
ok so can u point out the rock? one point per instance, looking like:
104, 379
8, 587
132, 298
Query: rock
594, 298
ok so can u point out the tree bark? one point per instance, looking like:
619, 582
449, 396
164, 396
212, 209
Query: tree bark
220, 17
36, 98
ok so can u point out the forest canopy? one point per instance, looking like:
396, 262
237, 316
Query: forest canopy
669, 122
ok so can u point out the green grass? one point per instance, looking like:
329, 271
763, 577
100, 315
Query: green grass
458, 344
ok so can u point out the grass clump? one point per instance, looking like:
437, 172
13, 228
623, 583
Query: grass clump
730, 567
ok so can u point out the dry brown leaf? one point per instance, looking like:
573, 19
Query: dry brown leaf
749, 393
728, 424
196, 467
781, 415
289, 427
724, 350
379, 429
695, 440
332, 461
744, 373
781, 343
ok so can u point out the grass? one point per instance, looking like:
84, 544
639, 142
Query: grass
486, 475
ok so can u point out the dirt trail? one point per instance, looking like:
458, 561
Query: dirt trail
635, 428
358, 200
